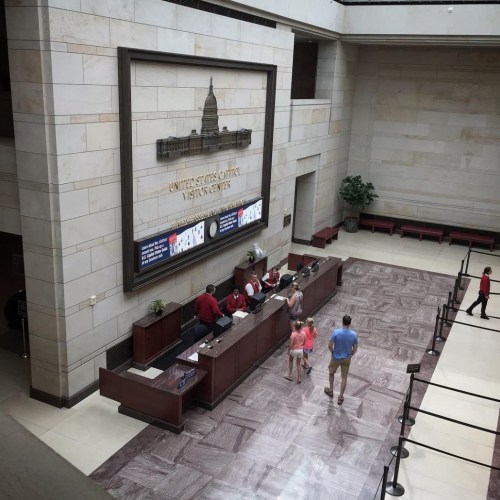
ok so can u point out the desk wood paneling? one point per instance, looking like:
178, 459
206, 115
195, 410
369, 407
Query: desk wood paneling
236, 353
154, 335
156, 401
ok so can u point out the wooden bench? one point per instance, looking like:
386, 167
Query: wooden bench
384, 224
421, 231
472, 238
326, 235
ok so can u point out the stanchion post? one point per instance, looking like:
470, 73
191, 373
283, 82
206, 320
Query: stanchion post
393, 487
449, 306
25, 354
467, 265
455, 292
440, 337
403, 419
432, 351
460, 274
384, 482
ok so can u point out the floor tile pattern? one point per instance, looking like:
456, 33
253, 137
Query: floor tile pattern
273, 438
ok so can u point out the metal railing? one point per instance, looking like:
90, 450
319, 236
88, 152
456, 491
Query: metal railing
396, 489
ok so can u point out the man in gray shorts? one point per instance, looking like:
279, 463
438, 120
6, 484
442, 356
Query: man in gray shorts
343, 345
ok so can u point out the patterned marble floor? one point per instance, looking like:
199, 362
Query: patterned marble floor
271, 438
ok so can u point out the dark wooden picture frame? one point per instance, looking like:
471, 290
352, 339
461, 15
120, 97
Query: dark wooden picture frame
133, 280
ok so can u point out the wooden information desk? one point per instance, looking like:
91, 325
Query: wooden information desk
231, 357
156, 401
154, 335
222, 363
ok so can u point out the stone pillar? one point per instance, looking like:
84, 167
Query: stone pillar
34, 128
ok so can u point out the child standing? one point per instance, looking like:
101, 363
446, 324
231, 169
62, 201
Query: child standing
295, 349
310, 331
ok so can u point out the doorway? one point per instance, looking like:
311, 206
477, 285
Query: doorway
303, 208
12, 293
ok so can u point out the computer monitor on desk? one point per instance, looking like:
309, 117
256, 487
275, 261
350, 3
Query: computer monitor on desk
221, 325
256, 301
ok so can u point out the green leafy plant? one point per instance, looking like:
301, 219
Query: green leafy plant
158, 306
251, 254
357, 193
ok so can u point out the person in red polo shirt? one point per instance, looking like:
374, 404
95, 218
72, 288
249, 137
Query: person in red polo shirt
271, 279
236, 302
207, 308
484, 294
253, 286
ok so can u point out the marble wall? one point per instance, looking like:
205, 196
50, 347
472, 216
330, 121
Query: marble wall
168, 100
10, 220
65, 96
426, 131
421, 123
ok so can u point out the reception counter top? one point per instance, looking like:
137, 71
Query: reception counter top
231, 357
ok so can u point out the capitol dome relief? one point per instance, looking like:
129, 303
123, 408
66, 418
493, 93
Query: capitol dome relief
209, 140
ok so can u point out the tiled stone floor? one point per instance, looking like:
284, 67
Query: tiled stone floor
272, 438
93, 433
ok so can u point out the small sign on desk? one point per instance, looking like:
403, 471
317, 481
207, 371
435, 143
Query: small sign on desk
187, 375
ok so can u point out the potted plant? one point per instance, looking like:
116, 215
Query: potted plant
252, 255
359, 195
158, 306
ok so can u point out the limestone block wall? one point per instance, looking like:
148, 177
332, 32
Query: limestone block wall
10, 219
345, 70
426, 132
322, 14
423, 21
167, 100
65, 97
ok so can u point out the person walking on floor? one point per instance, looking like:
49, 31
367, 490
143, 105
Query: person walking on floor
343, 345
310, 331
484, 294
295, 349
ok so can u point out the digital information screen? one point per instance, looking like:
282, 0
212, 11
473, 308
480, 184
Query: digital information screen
240, 216
161, 247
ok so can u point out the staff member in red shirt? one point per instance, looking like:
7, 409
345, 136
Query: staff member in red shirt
271, 279
236, 302
207, 308
253, 286
484, 294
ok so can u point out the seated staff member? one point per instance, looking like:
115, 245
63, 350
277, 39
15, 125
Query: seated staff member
253, 286
207, 308
236, 302
271, 279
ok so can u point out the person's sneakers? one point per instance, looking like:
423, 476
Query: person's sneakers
483, 316
328, 392
469, 313
309, 370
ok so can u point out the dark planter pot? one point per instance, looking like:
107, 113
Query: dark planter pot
351, 224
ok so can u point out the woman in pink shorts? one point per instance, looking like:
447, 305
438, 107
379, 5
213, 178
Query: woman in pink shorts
310, 331
295, 349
